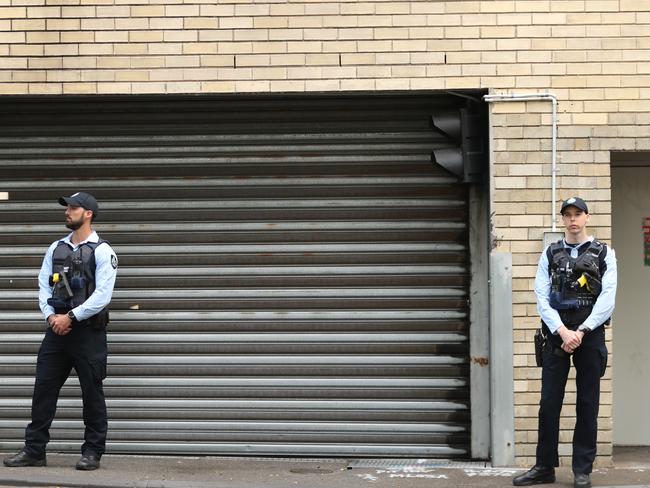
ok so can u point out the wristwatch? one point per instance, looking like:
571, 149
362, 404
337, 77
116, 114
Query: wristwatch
71, 315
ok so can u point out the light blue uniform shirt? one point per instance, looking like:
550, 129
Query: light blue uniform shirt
604, 305
105, 274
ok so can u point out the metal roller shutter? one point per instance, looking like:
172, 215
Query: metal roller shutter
293, 272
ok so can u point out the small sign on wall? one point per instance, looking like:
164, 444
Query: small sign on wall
646, 240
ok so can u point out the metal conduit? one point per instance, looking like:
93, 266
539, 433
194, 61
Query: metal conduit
527, 97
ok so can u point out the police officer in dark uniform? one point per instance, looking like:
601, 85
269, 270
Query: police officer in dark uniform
575, 287
75, 287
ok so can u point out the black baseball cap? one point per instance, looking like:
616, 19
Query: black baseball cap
81, 199
576, 202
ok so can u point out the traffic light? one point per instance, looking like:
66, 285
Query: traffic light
464, 154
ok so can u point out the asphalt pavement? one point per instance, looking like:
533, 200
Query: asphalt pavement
121, 471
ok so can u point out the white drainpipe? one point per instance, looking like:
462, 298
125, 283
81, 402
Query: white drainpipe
529, 97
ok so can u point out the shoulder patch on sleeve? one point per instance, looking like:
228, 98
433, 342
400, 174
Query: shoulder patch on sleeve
114, 261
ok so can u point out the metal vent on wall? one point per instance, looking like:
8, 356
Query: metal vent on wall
293, 272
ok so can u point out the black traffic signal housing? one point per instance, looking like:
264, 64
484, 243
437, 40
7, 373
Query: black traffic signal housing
464, 153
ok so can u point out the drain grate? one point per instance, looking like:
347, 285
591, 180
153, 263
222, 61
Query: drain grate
420, 463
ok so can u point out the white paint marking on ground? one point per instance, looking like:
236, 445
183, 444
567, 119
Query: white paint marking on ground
412, 472
419, 475
368, 477
491, 472
404, 472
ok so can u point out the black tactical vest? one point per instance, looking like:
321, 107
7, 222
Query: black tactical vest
576, 299
80, 267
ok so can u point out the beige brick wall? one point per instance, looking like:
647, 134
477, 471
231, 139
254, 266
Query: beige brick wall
594, 55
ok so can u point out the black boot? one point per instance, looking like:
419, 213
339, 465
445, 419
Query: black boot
22, 459
581, 481
88, 462
536, 475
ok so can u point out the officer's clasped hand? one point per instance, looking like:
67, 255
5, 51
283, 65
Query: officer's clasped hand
571, 339
61, 324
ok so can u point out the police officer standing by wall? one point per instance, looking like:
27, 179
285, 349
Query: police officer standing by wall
575, 287
75, 286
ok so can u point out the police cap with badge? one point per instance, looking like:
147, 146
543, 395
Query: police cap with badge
574, 202
81, 199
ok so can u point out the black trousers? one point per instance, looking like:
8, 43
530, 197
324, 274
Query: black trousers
83, 349
589, 360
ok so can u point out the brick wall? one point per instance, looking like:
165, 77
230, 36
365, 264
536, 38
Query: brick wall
594, 55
